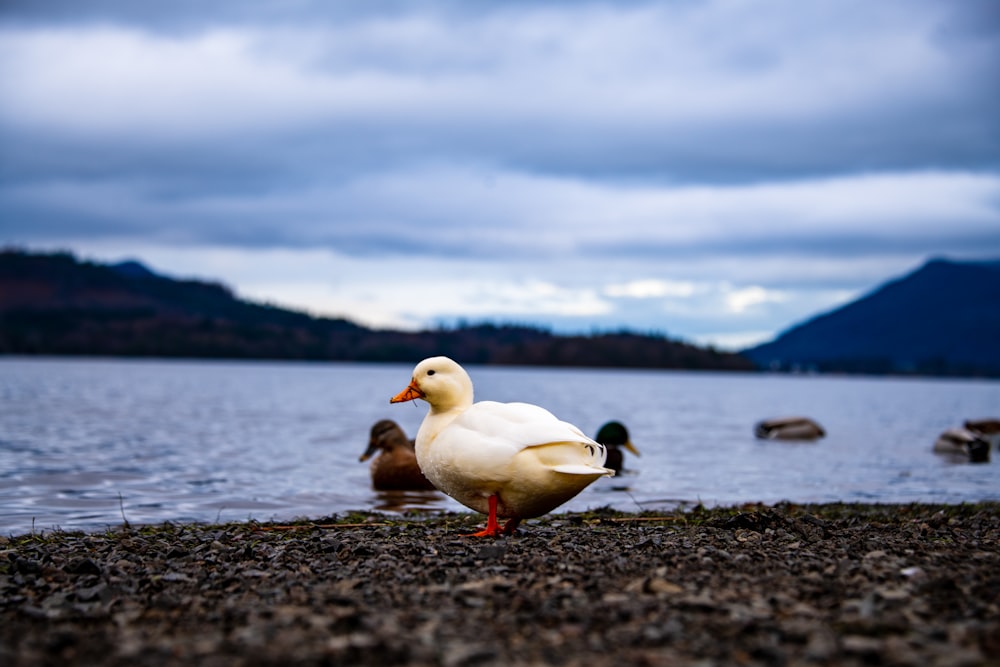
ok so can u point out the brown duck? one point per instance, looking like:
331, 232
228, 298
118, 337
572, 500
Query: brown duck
789, 428
395, 468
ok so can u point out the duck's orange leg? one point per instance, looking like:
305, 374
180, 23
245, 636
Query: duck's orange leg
492, 527
511, 526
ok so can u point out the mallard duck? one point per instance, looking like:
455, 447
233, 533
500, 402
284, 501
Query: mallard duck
614, 436
988, 429
509, 460
395, 468
963, 443
789, 428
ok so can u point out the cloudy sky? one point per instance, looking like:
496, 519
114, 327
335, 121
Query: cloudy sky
711, 169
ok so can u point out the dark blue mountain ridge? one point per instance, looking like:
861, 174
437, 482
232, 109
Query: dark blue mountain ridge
943, 318
132, 268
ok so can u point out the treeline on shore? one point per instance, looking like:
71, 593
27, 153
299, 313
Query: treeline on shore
55, 304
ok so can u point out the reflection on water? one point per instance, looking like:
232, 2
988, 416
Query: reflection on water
408, 501
85, 442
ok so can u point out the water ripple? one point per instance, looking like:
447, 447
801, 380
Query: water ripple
84, 442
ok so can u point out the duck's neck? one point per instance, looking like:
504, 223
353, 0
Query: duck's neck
437, 420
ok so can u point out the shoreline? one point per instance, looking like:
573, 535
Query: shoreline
756, 584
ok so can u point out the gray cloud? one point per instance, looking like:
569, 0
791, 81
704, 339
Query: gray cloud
636, 93
695, 140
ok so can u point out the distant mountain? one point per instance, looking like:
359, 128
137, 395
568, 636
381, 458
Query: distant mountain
942, 319
133, 269
55, 304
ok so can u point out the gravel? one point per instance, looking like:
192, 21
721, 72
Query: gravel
754, 585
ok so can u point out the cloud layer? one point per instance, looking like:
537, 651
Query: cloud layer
711, 169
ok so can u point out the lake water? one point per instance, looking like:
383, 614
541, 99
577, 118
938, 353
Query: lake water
85, 441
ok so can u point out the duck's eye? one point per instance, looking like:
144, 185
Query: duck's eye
431, 372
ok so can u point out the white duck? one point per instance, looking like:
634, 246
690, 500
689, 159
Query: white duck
510, 460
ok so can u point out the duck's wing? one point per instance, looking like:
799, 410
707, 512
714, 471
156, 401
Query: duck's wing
496, 432
524, 424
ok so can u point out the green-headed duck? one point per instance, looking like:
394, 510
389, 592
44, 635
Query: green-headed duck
614, 436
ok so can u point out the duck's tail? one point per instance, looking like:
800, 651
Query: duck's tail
584, 470
592, 465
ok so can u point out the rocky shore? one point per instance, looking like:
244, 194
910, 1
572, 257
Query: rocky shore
755, 585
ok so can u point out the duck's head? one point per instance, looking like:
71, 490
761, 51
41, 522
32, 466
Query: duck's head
385, 434
439, 381
614, 434
979, 450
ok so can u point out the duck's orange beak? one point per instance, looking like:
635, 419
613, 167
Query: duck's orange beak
410, 393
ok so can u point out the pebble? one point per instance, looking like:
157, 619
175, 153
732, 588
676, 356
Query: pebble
838, 584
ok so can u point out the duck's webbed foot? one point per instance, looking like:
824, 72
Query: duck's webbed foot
493, 528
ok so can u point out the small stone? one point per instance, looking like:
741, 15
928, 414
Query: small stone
26, 566
491, 552
466, 654
821, 646
657, 586
255, 573
862, 645
91, 593
81, 566
892, 594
